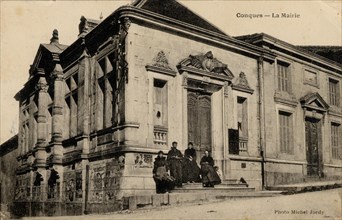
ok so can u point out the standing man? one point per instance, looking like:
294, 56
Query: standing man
174, 158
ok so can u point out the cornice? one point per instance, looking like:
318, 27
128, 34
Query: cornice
160, 70
199, 72
295, 50
191, 30
148, 17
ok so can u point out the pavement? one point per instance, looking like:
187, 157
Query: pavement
311, 205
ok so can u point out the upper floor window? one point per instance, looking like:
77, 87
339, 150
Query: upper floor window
160, 102
283, 76
334, 92
71, 99
106, 96
285, 132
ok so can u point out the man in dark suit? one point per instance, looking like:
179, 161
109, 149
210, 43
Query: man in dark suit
174, 158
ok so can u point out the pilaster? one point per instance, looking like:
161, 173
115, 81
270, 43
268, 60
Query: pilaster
57, 115
40, 151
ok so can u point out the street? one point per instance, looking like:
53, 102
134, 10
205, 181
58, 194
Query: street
312, 205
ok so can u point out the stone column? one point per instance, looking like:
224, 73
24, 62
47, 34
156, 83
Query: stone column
83, 107
57, 124
40, 148
226, 163
57, 115
40, 151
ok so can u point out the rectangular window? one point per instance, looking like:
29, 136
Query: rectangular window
283, 77
285, 132
242, 116
49, 123
336, 144
71, 99
160, 103
106, 100
334, 92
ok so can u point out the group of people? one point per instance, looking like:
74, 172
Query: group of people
184, 169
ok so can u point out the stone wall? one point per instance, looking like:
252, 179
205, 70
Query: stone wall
8, 161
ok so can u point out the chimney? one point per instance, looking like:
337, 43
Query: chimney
54, 39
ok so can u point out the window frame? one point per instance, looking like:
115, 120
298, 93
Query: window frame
280, 78
337, 91
289, 147
335, 140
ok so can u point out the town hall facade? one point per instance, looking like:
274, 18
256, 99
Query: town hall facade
94, 114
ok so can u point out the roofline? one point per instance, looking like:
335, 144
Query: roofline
7, 147
259, 37
175, 25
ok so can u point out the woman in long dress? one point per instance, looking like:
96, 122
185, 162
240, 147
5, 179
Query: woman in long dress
164, 182
209, 175
191, 170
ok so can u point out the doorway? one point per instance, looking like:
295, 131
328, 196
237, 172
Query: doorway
199, 122
312, 137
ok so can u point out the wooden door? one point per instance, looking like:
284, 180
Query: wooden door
312, 145
199, 122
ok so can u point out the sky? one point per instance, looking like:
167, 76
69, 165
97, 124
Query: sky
26, 24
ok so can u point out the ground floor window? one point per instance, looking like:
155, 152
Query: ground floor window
336, 144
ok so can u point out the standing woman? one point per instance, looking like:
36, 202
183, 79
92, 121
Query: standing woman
174, 159
164, 183
209, 175
191, 170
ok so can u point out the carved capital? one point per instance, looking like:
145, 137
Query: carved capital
42, 85
185, 80
57, 73
126, 23
225, 89
260, 59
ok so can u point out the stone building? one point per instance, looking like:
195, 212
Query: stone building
8, 160
94, 114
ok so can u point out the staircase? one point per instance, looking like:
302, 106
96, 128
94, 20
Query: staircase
195, 193
230, 188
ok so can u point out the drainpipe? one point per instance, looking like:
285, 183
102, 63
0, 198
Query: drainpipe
261, 117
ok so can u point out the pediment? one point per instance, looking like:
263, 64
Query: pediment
241, 84
314, 101
161, 64
206, 63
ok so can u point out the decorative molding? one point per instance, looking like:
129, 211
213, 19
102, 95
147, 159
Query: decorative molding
161, 65
54, 39
335, 111
202, 86
314, 101
206, 65
285, 98
241, 84
202, 73
161, 70
226, 89
185, 80
143, 160
42, 86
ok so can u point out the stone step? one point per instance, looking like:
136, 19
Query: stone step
222, 185
197, 196
230, 181
214, 190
